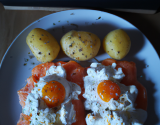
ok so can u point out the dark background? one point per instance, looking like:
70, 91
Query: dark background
109, 4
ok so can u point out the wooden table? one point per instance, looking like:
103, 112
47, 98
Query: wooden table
12, 22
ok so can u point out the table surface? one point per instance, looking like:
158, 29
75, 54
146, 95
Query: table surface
12, 22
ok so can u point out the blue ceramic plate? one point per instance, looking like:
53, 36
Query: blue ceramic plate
18, 60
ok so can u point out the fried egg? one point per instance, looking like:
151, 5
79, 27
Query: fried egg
51, 98
110, 101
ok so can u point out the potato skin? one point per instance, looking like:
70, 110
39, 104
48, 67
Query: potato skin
43, 45
80, 45
117, 44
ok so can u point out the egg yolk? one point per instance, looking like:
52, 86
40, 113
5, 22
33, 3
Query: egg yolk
53, 93
108, 90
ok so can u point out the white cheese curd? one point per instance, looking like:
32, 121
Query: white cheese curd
119, 109
63, 113
38, 110
109, 117
59, 70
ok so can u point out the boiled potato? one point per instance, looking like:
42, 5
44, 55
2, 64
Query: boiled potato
117, 44
80, 45
43, 45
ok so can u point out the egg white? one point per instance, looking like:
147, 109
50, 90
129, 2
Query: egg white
38, 108
119, 109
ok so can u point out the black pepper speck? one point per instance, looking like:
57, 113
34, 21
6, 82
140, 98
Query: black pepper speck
70, 45
26, 60
74, 25
74, 73
31, 56
80, 49
25, 64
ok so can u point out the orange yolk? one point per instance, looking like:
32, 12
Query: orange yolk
108, 90
53, 93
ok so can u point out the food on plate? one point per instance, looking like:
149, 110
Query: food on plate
104, 93
130, 71
43, 45
113, 94
80, 45
117, 44
49, 98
